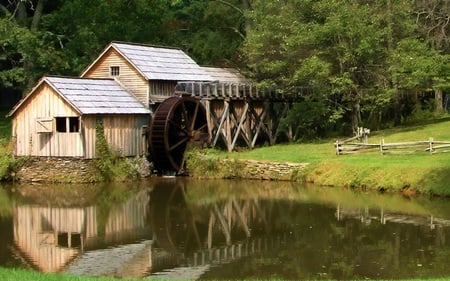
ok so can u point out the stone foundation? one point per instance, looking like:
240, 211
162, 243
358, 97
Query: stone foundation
78, 170
272, 170
52, 169
66, 170
266, 170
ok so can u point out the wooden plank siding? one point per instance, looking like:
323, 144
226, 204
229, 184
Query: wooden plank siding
159, 90
124, 133
47, 104
128, 76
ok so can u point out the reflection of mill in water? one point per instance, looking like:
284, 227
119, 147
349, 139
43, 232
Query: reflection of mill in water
149, 232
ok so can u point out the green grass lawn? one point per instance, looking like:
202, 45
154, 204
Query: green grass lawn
420, 172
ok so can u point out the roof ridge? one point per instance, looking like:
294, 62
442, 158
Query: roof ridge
77, 77
146, 45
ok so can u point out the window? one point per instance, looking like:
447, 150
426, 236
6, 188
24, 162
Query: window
69, 240
74, 124
115, 70
61, 124
67, 124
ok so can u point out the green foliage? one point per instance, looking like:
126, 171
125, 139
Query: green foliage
206, 165
8, 163
210, 31
353, 54
414, 66
309, 120
109, 163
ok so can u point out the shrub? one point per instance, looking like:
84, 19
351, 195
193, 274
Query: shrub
111, 164
8, 163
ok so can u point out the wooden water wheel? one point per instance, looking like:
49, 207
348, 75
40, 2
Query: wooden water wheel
178, 122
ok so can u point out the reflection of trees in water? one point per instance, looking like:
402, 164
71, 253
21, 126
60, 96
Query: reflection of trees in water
317, 244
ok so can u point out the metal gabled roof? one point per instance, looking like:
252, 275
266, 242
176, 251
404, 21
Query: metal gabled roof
92, 96
97, 96
226, 74
158, 63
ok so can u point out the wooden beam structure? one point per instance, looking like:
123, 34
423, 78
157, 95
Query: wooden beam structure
240, 115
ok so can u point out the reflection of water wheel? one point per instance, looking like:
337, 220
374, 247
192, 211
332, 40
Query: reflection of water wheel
177, 122
168, 215
172, 221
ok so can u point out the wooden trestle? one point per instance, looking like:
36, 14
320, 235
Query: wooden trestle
239, 114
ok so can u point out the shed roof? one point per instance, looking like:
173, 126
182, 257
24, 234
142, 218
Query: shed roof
158, 63
92, 96
227, 74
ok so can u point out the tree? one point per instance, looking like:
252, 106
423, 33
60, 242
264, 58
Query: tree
210, 31
25, 51
342, 51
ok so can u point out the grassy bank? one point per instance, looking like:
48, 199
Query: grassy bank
19, 275
410, 173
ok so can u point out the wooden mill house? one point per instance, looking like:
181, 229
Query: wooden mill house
59, 117
120, 87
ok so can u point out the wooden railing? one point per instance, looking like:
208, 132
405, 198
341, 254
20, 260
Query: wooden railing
430, 146
226, 90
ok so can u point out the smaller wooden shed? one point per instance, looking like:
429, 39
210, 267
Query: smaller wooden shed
58, 118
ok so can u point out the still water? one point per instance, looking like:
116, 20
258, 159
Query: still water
188, 229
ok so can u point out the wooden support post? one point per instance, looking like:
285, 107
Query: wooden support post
260, 123
223, 223
239, 128
209, 121
210, 229
220, 128
241, 217
337, 147
228, 127
381, 146
430, 146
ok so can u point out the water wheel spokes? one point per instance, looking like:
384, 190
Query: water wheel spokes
176, 122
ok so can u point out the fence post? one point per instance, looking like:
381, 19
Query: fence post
381, 146
337, 147
430, 147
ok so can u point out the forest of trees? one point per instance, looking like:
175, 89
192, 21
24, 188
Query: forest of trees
372, 63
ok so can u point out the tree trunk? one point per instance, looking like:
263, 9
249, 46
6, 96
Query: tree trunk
21, 14
356, 117
438, 100
37, 15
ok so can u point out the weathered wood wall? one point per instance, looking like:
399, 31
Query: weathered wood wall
124, 133
160, 90
129, 77
44, 105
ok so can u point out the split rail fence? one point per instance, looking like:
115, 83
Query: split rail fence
430, 146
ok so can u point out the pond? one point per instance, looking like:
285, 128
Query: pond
190, 229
